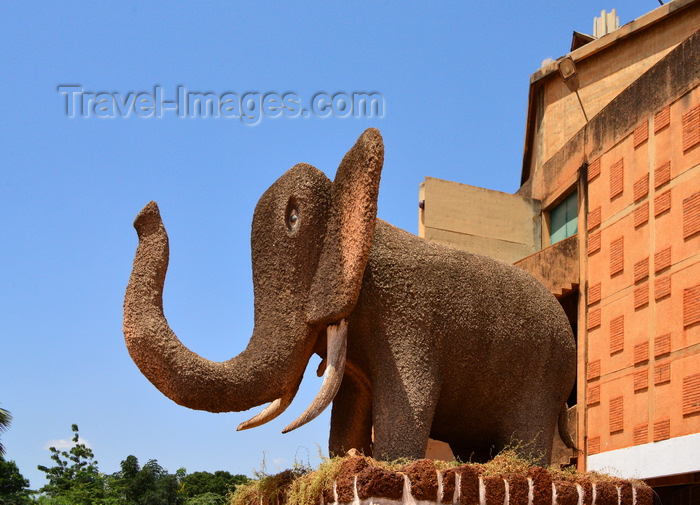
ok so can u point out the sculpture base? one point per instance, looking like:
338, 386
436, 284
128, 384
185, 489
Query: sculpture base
504, 481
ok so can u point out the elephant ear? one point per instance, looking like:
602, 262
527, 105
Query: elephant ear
349, 231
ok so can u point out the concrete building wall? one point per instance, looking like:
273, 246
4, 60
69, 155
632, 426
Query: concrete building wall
506, 227
605, 68
636, 166
635, 261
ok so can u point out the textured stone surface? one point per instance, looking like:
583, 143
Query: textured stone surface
494, 490
440, 342
626, 494
644, 495
345, 482
606, 492
448, 485
374, 483
587, 487
518, 489
542, 486
423, 477
349, 231
379, 483
567, 494
469, 485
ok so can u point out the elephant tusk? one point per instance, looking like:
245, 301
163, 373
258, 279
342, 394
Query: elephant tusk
336, 341
270, 412
321, 368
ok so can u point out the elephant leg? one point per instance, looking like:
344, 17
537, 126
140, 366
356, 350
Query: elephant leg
532, 437
537, 444
403, 416
351, 417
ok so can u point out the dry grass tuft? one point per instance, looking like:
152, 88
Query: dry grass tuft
506, 461
307, 489
267, 489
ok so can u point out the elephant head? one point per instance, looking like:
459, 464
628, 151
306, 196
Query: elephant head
310, 244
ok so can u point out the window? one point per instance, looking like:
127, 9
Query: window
563, 220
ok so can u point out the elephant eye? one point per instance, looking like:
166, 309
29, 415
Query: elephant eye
292, 218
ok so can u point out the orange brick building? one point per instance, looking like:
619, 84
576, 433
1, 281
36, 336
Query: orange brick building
611, 181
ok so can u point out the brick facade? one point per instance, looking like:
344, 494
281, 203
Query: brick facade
635, 165
647, 318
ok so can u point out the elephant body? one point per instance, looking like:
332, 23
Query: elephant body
418, 339
452, 345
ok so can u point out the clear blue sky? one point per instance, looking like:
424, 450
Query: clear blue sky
454, 77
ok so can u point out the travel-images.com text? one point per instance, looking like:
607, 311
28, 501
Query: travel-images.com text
249, 107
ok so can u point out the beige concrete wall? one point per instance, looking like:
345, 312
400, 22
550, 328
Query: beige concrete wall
484, 221
604, 72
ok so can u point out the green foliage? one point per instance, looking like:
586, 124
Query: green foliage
14, 488
219, 483
76, 480
75, 476
147, 485
5, 420
206, 499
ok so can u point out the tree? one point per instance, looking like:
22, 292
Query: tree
150, 485
219, 482
206, 499
75, 478
5, 420
204, 487
14, 488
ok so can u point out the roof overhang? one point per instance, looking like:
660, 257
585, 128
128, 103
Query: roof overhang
586, 51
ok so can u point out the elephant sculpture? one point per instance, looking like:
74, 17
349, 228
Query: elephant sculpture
418, 339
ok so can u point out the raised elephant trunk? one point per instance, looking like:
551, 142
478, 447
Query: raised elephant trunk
185, 377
